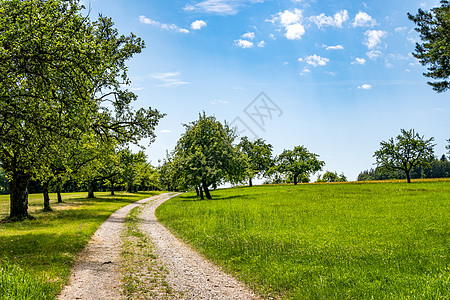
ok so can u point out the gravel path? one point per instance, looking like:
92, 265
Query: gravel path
188, 272
96, 274
97, 271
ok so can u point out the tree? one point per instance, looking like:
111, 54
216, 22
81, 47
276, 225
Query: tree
298, 162
409, 149
205, 154
61, 77
434, 29
332, 177
448, 147
259, 157
4, 187
131, 165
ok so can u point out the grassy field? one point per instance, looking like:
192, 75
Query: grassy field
36, 255
387, 240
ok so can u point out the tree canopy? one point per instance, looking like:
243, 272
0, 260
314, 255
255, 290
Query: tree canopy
259, 156
205, 154
409, 149
299, 163
434, 52
62, 77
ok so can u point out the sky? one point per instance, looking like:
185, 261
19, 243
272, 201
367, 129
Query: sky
335, 76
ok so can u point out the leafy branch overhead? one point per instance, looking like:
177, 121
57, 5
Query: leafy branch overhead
434, 52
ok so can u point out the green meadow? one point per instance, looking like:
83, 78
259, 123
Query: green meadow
384, 240
36, 255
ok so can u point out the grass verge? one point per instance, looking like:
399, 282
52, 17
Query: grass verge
387, 240
38, 254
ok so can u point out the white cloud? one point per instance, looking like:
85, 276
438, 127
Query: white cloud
220, 7
169, 79
294, 31
304, 71
291, 20
365, 86
219, 102
359, 61
272, 36
166, 131
249, 35
315, 60
331, 73
168, 27
290, 17
198, 24
373, 38
373, 54
243, 43
337, 47
261, 44
401, 29
363, 19
336, 21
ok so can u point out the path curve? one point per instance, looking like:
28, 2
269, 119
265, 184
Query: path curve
97, 274
188, 271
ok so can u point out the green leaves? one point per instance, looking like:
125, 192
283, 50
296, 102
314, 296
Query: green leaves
298, 162
409, 149
434, 29
63, 85
205, 154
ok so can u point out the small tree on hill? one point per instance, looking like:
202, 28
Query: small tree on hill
259, 157
332, 177
298, 162
409, 149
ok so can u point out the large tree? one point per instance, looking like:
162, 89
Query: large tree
259, 157
61, 76
206, 156
434, 52
409, 149
298, 162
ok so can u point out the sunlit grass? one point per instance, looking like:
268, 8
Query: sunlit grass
388, 240
46, 246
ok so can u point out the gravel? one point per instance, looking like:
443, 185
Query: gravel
97, 271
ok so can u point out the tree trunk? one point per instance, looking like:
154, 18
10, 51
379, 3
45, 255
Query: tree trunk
200, 190
295, 179
250, 183
91, 188
46, 196
197, 191
58, 192
205, 188
408, 176
111, 187
19, 196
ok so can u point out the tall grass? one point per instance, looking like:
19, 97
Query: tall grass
325, 241
16, 284
45, 248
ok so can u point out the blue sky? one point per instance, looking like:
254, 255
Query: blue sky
337, 76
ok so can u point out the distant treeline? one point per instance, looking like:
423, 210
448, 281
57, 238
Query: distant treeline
437, 168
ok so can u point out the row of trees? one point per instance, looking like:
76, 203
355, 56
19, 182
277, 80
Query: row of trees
206, 156
64, 106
